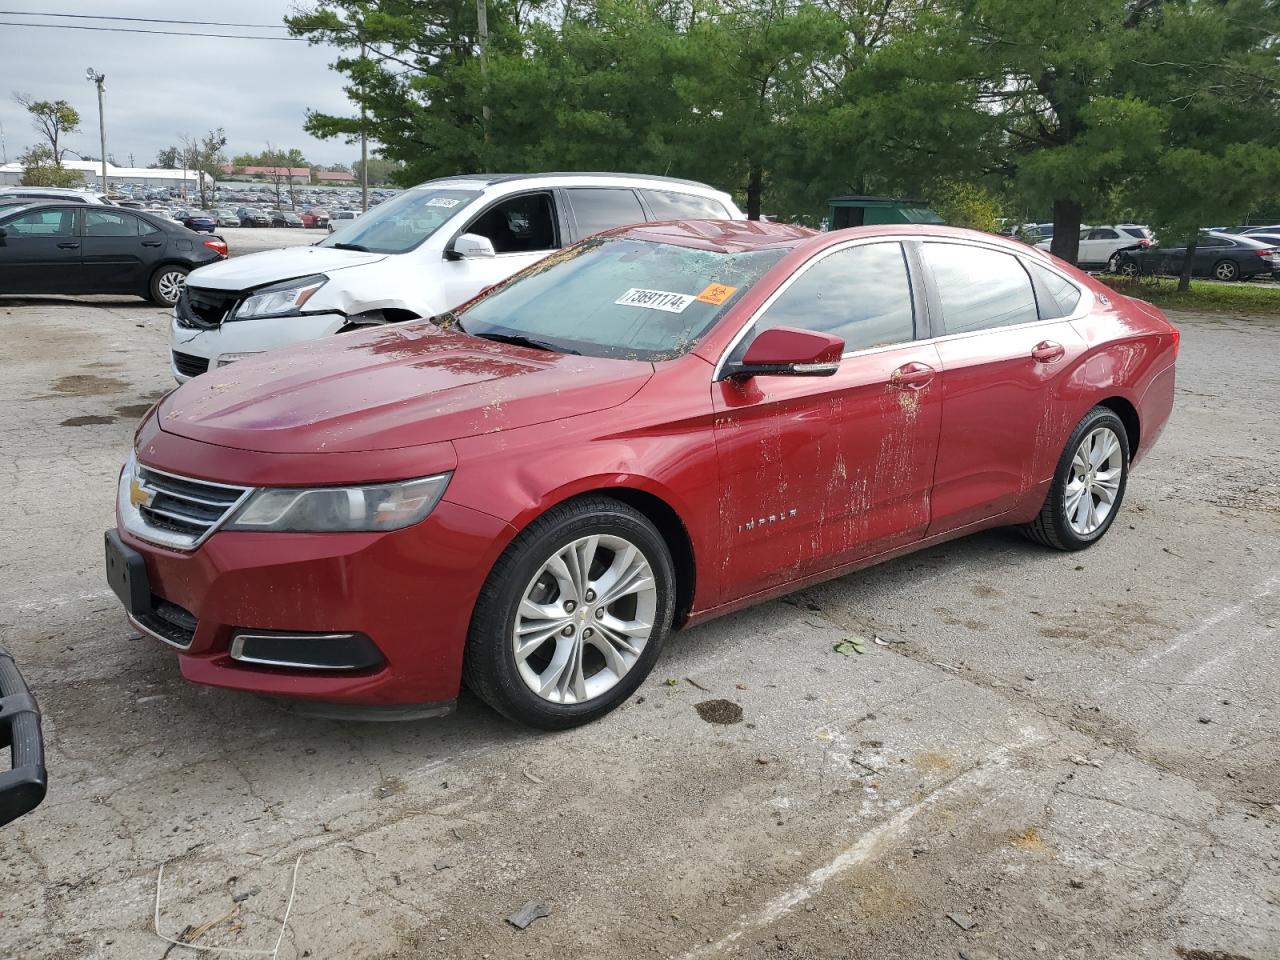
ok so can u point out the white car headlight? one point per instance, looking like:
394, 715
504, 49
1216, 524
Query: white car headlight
384, 506
281, 299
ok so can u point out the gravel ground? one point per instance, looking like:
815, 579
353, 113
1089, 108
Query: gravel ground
242, 240
1051, 756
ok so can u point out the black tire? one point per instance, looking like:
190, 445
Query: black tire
1052, 527
1127, 267
1226, 271
160, 289
489, 666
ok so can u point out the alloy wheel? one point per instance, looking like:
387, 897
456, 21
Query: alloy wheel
1225, 270
1097, 468
1128, 269
584, 619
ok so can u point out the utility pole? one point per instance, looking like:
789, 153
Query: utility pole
364, 146
482, 25
98, 79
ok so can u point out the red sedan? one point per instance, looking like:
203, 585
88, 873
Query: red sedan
654, 427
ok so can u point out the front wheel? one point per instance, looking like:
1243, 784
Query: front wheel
1088, 485
572, 616
1127, 268
166, 284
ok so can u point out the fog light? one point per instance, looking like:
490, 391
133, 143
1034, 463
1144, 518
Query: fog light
305, 651
227, 358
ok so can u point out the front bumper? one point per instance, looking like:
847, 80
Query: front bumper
192, 350
411, 592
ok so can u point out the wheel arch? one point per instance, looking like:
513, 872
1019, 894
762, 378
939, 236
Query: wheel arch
1123, 408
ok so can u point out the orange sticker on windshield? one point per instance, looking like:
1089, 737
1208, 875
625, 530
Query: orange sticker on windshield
716, 294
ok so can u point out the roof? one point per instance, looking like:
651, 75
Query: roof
877, 201
341, 175
115, 173
725, 236
490, 178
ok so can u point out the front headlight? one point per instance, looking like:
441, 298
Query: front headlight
385, 506
281, 299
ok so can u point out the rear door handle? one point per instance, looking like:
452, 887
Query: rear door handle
153, 243
912, 376
69, 245
1046, 351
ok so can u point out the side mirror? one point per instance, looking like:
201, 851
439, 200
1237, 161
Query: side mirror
788, 352
472, 246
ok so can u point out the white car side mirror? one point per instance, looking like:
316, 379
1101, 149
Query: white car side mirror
472, 246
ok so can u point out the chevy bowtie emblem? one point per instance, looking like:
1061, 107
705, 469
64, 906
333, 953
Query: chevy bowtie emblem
139, 495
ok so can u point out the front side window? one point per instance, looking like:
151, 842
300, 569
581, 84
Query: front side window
597, 209
615, 297
107, 224
525, 223
669, 205
979, 288
42, 223
861, 294
399, 225
1103, 233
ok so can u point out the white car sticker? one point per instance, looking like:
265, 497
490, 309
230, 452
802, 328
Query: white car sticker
656, 300
445, 202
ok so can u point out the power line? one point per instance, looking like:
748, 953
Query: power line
167, 33
94, 16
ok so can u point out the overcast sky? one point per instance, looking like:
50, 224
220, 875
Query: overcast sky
161, 86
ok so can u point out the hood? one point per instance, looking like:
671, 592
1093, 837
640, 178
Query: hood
388, 388
273, 266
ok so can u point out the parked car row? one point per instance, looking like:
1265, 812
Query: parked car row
1217, 256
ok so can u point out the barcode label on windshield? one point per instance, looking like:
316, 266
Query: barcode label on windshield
656, 300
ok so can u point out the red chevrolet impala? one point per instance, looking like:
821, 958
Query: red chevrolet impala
656, 426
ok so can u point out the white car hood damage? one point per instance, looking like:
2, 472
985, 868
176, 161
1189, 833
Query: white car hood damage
275, 266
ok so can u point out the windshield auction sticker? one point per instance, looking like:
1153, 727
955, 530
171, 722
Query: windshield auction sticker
446, 202
656, 300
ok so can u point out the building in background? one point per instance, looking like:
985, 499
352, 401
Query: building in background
91, 170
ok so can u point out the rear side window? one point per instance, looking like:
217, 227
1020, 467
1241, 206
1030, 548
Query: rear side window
1057, 296
1140, 232
107, 224
1103, 233
979, 288
862, 294
598, 209
666, 205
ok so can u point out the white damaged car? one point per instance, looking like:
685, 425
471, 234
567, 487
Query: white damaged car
429, 249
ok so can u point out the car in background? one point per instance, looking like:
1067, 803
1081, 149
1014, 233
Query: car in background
72, 248
52, 193
426, 250
1098, 245
1270, 235
315, 217
199, 220
661, 424
24, 785
1218, 256
226, 217
285, 218
253, 217
339, 217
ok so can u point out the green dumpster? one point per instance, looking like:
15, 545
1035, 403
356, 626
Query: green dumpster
854, 211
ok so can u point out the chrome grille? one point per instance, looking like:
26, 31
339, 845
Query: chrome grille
175, 511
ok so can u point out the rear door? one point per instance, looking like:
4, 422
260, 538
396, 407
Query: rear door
118, 249
40, 251
593, 209
523, 228
1003, 358
820, 471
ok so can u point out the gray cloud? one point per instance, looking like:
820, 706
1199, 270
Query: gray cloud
159, 87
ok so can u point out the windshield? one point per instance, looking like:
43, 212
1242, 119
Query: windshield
613, 297
401, 224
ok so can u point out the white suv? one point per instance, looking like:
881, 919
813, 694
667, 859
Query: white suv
1099, 244
432, 247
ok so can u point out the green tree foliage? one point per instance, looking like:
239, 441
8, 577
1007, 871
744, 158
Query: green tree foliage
204, 154
53, 120
381, 171
40, 170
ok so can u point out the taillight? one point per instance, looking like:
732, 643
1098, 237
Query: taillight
1177, 337
1144, 243
1267, 251
217, 246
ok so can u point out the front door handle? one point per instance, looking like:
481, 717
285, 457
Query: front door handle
912, 376
1046, 351
69, 245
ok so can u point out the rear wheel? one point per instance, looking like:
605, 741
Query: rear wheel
573, 615
167, 283
1088, 485
1225, 270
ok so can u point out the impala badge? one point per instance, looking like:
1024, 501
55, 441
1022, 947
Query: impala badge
756, 522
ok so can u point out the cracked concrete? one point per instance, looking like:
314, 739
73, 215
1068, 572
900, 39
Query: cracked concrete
1078, 753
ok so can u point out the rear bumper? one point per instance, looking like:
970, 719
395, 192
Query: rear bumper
24, 785
411, 592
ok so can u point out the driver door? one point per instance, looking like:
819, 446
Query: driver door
40, 252
523, 229
817, 472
